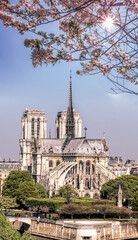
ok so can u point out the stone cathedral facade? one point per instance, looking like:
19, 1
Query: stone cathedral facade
67, 159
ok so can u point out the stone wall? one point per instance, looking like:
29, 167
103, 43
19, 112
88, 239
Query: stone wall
51, 229
80, 230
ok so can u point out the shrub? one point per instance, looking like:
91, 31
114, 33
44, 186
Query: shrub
94, 211
134, 214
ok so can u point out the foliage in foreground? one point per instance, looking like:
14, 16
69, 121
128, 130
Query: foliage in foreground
128, 183
8, 232
101, 35
19, 185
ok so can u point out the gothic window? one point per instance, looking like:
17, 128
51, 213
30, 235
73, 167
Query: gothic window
57, 163
93, 168
81, 166
75, 169
23, 132
38, 127
32, 129
87, 184
50, 163
87, 167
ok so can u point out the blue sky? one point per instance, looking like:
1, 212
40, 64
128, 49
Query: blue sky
46, 88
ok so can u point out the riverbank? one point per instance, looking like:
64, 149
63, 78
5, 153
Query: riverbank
79, 229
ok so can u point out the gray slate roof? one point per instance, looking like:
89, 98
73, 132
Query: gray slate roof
85, 146
76, 145
51, 144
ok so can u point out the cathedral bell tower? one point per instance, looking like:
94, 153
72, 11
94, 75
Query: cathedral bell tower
33, 129
69, 122
70, 127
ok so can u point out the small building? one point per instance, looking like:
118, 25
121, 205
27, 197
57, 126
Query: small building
120, 168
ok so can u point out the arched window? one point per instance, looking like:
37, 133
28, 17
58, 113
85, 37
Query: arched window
50, 163
38, 127
23, 132
87, 184
57, 163
81, 167
93, 169
87, 167
32, 129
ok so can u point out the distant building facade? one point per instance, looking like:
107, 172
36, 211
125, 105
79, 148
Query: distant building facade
6, 166
120, 168
67, 159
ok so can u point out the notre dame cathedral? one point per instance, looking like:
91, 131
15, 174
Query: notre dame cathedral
67, 159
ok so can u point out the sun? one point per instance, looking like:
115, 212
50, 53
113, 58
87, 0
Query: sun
108, 23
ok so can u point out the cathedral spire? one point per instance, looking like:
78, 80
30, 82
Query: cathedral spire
70, 93
70, 115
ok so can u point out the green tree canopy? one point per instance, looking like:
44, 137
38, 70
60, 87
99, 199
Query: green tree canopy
128, 183
19, 185
41, 190
6, 202
67, 191
135, 202
8, 232
27, 236
26, 189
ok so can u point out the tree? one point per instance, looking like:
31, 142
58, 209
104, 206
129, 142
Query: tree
7, 232
100, 34
126, 194
94, 211
41, 190
67, 191
6, 202
128, 183
26, 189
11, 184
135, 202
19, 185
27, 236
71, 210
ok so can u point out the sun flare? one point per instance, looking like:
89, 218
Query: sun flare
108, 23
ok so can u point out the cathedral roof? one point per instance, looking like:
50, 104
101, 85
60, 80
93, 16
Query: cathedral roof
85, 146
76, 145
51, 145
